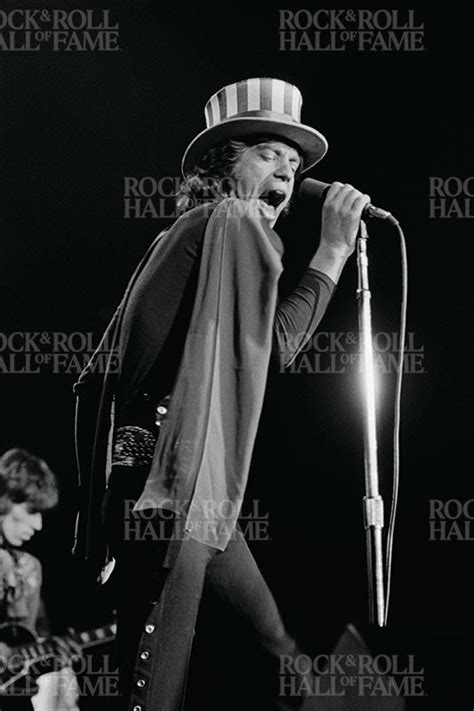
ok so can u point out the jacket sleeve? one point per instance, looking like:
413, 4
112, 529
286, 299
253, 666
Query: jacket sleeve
298, 315
94, 397
90, 377
93, 393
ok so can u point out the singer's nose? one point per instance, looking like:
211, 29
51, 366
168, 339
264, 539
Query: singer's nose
283, 169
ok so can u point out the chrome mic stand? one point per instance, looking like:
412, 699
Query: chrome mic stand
373, 502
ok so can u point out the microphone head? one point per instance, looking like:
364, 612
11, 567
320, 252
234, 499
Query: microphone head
311, 189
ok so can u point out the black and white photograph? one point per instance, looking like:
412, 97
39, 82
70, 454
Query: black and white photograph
235, 344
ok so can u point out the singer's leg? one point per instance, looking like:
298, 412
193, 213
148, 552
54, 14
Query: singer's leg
164, 648
236, 579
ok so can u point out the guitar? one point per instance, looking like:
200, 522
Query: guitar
21, 649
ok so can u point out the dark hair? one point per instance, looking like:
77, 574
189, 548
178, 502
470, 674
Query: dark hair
26, 478
212, 179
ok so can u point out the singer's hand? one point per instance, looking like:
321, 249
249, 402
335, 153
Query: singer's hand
341, 215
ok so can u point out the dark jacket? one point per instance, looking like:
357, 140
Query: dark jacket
128, 363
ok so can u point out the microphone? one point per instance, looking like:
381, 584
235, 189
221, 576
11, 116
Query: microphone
316, 190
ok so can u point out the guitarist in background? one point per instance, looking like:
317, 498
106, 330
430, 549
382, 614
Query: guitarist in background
27, 489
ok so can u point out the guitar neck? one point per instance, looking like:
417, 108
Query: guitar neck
85, 639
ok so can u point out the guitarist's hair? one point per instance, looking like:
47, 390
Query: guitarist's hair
26, 478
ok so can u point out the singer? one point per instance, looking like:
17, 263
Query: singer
172, 434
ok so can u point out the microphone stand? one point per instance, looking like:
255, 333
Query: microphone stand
372, 502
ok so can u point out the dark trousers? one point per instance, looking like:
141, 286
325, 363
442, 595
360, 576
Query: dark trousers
158, 607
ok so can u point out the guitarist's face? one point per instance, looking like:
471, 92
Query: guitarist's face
20, 524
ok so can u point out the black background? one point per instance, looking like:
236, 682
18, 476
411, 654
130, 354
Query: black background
74, 124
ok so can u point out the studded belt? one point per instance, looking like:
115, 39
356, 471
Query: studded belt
134, 446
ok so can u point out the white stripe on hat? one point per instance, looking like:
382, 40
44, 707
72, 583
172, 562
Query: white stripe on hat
295, 104
215, 110
231, 95
253, 94
278, 95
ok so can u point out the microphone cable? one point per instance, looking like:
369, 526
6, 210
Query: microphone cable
396, 422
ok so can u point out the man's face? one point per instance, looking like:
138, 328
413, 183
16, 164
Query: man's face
20, 524
266, 173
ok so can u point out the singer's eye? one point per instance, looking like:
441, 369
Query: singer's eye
268, 156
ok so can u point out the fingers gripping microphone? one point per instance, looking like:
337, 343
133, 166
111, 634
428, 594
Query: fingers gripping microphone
316, 190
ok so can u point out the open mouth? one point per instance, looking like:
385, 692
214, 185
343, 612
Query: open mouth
273, 197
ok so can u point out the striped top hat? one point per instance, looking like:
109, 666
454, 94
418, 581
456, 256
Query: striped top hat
260, 106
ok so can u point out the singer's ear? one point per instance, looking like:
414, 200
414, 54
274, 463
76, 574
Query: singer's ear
299, 170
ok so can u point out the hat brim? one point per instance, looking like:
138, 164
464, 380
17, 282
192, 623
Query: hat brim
311, 143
